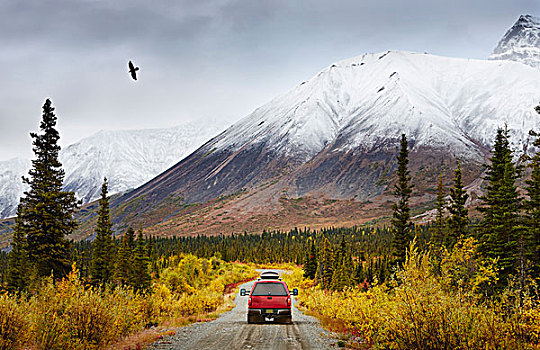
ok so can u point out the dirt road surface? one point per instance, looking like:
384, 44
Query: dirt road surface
231, 331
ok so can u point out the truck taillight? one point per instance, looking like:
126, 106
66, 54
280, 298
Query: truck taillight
289, 302
249, 301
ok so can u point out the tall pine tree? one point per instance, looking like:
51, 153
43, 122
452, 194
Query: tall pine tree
310, 266
401, 212
103, 247
123, 272
500, 229
458, 221
532, 205
47, 213
141, 277
17, 267
325, 266
438, 233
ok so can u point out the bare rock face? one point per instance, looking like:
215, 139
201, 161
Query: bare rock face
521, 43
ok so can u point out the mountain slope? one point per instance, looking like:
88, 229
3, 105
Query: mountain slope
336, 135
521, 43
128, 158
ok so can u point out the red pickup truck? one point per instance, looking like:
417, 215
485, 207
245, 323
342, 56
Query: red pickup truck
269, 300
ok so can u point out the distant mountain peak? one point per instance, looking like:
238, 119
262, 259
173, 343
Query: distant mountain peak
128, 158
521, 43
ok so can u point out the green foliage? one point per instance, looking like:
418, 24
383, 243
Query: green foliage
17, 267
46, 215
531, 238
342, 272
310, 266
438, 236
459, 215
141, 279
124, 260
103, 250
401, 217
325, 268
500, 228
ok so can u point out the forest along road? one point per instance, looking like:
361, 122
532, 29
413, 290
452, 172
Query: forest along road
231, 331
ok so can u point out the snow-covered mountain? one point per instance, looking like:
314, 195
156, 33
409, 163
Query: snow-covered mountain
337, 134
521, 43
128, 158
11, 186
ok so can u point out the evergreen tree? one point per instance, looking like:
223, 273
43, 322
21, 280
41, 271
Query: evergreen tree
124, 260
130, 235
103, 247
141, 277
310, 267
326, 263
500, 229
17, 267
401, 220
342, 268
532, 205
47, 210
438, 235
458, 221
359, 275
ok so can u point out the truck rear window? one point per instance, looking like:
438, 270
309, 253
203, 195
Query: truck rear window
276, 289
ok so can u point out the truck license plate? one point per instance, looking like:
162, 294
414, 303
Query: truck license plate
269, 311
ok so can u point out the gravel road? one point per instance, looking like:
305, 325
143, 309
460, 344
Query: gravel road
231, 331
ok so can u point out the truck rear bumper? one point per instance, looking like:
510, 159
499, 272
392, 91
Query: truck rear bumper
261, 315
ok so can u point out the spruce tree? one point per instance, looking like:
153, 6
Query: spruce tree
17, 275
326, 262
500, 229
532, 205
438, 235
47, 211
458, 221
401, 212
103, 247
310, 267
342, 268
141, 277
123, 272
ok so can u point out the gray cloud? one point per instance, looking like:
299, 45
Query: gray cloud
199, 59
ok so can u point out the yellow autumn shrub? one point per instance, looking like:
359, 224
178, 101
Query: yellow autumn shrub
421, 310
13, 323
68, 314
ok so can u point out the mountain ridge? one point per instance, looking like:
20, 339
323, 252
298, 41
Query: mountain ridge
128, 158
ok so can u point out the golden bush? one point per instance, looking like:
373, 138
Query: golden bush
419, 309
13, 323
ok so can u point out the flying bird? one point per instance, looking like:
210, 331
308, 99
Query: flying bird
133, 70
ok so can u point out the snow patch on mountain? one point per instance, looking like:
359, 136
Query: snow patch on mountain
11, 185
368, 101
128, 158
521, 43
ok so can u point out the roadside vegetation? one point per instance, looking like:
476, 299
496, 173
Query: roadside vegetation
70, 313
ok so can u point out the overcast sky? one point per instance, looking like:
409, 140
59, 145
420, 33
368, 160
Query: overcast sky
205, 59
